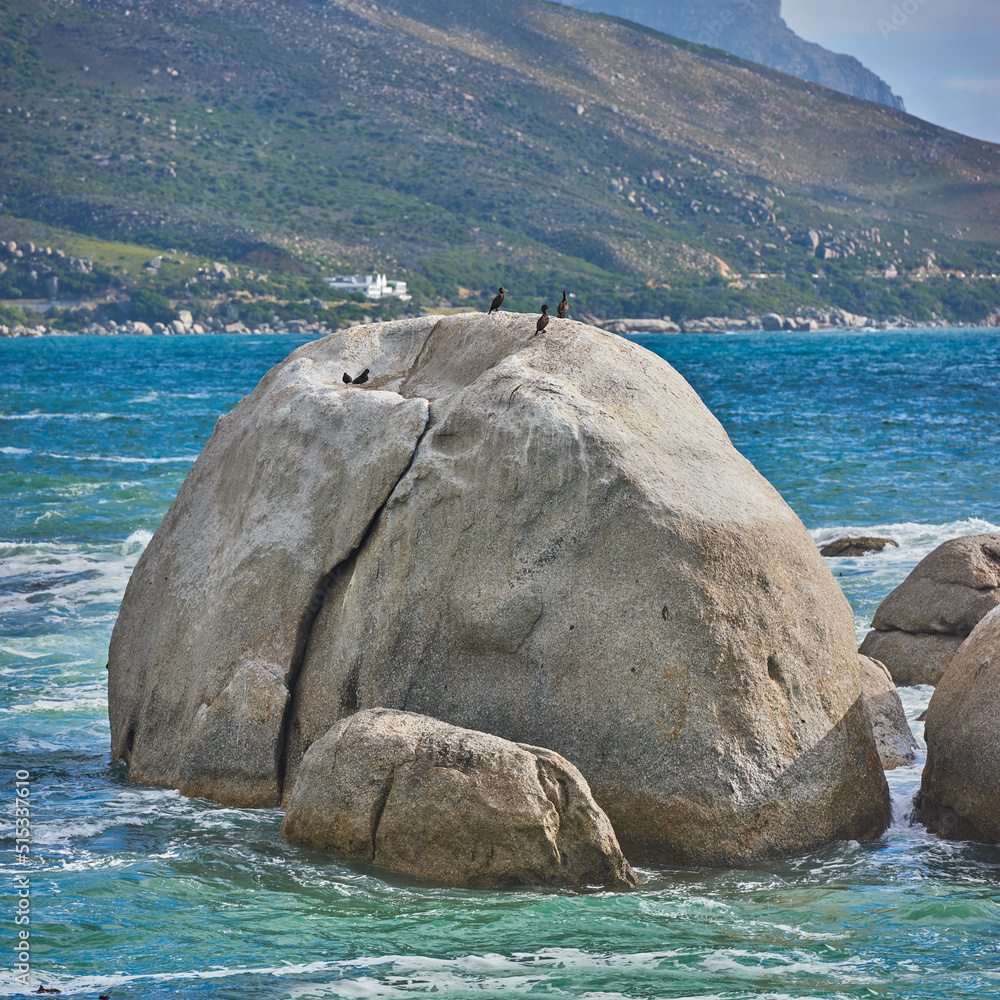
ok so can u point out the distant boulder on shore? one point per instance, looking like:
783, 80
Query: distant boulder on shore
918, 628
548, 539
450, 805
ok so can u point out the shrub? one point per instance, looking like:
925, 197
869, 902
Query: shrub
148, 306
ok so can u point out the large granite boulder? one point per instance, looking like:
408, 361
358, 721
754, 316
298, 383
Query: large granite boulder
547, 538
896, 745
451, 805
959, 794
918, 628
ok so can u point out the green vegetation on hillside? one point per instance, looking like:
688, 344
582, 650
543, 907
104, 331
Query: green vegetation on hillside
460, 146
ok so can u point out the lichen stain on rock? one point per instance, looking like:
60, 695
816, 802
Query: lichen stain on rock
673, 692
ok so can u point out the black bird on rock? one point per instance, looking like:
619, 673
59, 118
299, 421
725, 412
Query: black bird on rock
497, 300
347, 379
563, 307
543, 320
360, 379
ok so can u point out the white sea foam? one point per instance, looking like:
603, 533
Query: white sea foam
138, 807
49, 515
92, 984
47, 834
881, 572
73, 490
915, 540
749, 964
70, 574
61, 705
904, 782
15, 452
28, 654
155, 395
123, 459
40, 415
136, 542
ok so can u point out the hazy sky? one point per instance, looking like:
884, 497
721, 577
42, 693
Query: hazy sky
941, 56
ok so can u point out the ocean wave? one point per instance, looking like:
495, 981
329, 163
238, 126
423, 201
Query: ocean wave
122, 459
141, 807
27, 654
60, 705
15, 452
136, 542
41, 415
81, 574
913, 538
103, 984
155, 395
867, 580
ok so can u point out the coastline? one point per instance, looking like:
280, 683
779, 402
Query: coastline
804, 321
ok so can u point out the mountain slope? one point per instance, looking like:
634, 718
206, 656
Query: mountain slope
455, 141
755, 30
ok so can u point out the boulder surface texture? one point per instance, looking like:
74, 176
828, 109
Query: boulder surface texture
451, 805
918, 628
547, 538
959, 794
896, 745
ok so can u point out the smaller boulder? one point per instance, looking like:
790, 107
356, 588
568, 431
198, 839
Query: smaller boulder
451, 805
895, 742
918, 628
772, 321
959, 796
852, 546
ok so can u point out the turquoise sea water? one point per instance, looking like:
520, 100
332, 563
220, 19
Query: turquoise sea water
147, 894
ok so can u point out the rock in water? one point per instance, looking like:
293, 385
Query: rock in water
918, 628
547, 539
451, 805
896, 745
851, 546
959, 794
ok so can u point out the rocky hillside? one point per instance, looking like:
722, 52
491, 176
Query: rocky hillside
755, 30
461, 144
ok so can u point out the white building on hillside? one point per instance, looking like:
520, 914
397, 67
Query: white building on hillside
372, 286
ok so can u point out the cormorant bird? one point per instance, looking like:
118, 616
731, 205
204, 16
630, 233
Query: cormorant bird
543, 321
563, 307
361, 379
497, 300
